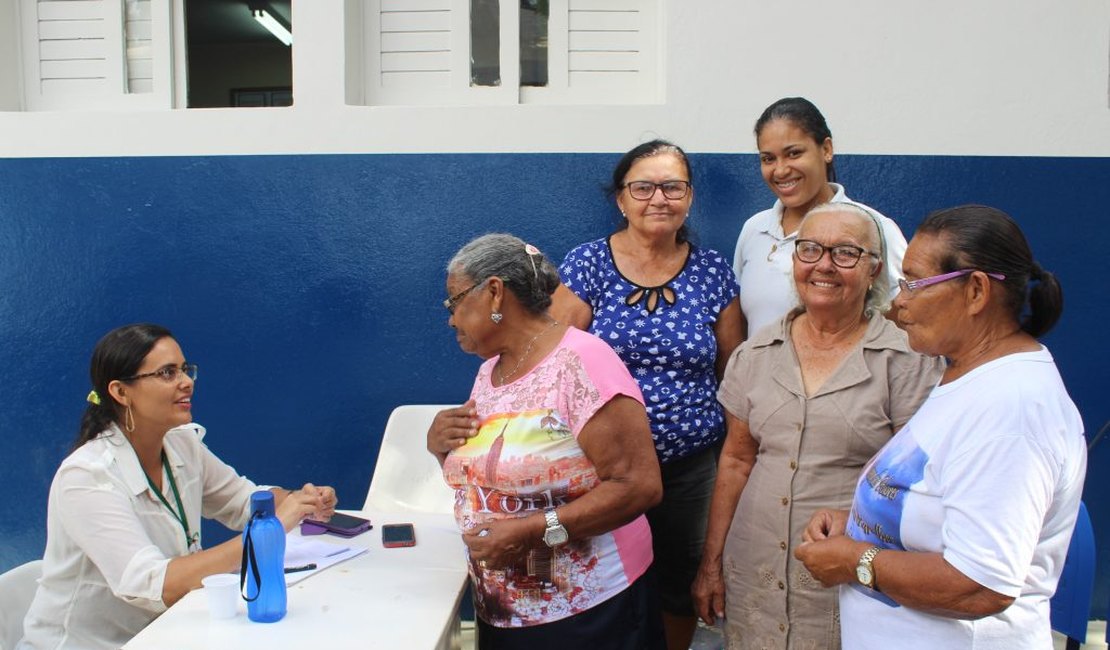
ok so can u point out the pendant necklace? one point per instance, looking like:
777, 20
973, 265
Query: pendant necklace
527, 351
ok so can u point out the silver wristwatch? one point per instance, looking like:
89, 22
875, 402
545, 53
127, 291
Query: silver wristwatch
555, 534
865, 570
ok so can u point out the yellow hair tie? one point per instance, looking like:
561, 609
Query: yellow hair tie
93, 398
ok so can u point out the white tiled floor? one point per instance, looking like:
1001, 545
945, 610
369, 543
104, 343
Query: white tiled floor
710, 639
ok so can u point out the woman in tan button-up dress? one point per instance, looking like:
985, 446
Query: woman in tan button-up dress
809, 400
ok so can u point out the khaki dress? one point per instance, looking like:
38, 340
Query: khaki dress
811, 451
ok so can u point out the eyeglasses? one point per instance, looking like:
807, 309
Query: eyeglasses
168, 374
454, 300
913, 285
644, 190
846, 256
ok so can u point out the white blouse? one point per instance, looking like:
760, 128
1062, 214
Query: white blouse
109, 538
764, 262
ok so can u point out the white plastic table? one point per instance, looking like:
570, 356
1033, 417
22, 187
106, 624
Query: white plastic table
385, 598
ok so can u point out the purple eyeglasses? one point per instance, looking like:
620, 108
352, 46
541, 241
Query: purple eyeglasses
910, 286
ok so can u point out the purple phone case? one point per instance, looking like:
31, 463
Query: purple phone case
312, 527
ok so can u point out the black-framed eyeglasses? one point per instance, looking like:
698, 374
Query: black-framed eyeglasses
846, 256
454, 300
644, 190
168, 374
913, 285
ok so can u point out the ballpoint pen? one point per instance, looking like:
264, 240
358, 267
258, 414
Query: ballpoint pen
303, 567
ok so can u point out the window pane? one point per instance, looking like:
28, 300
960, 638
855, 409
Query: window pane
234, 58
485, 43
533, 42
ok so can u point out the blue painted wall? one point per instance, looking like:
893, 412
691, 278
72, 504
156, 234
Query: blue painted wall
308, 288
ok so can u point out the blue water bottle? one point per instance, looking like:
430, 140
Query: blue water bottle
263, 567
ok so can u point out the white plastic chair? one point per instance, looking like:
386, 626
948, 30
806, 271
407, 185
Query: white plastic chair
17, 588
407, 476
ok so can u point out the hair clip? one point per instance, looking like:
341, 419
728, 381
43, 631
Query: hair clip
532, 252
93, 398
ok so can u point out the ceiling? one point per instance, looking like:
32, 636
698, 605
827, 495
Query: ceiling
228, 21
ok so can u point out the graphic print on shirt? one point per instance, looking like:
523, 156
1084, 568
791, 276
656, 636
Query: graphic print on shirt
518, 465
880, 498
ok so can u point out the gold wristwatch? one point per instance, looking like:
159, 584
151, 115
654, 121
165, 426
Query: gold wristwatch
865, 570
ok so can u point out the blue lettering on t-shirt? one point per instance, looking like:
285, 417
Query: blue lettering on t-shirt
880, 498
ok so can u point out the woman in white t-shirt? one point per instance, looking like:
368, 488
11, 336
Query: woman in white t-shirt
796, 160
960, 525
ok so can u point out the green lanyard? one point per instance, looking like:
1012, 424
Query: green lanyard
189, 541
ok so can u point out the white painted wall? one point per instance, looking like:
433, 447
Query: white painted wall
996, 77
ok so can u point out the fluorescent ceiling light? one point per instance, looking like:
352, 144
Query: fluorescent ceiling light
270, 22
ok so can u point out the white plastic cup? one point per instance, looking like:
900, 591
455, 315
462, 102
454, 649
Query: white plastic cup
223, 594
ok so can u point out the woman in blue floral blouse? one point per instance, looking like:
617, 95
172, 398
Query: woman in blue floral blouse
670, 311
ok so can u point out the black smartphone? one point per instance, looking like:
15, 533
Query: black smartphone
398, 535
340, 524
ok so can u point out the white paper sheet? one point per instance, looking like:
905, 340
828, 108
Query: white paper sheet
300, 551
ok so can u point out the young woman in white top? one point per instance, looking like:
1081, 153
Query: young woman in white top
796, 159
123, 517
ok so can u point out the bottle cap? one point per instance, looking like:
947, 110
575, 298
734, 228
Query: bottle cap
262, 504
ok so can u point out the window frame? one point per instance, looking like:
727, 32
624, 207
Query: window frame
641, 87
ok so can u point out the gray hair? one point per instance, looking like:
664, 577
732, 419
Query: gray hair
526, 272
878, 294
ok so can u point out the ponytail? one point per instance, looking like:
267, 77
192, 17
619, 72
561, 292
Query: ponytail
1045, 302
96, 419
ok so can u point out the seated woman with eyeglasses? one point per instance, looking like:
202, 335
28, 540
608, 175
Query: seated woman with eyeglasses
669, 309
123, 517
808, 402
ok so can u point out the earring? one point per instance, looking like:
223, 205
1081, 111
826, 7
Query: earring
496, 317
129, 420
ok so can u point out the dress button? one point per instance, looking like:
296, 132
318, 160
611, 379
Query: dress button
785, 501
782, 545
781, 585
793, 465
782, 627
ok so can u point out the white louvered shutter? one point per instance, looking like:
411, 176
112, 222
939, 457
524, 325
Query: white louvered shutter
601, 52
81, 54
418, 52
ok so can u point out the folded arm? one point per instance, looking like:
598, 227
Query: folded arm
922, 581
617, 440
